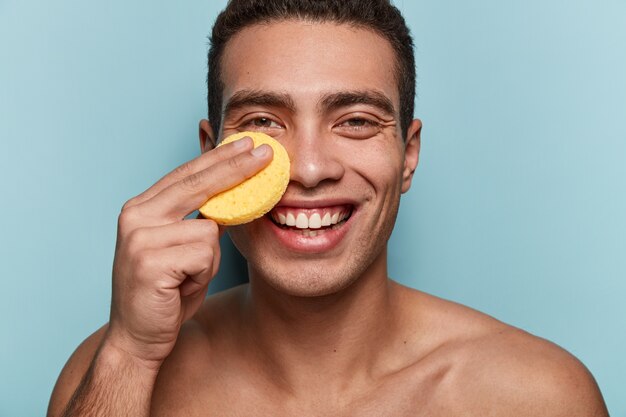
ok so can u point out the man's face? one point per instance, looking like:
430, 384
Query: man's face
328, 93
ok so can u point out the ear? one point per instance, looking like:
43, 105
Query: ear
411, 153
207, 138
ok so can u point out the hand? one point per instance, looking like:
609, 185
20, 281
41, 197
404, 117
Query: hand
164, 263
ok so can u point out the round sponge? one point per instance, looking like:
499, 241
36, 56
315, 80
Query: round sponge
255, 196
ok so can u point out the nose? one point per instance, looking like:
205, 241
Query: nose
314, 160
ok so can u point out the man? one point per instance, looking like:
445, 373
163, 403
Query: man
320, 329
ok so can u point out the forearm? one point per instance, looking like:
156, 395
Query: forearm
115, 385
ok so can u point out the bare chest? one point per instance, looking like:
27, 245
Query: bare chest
248, 395
239, 404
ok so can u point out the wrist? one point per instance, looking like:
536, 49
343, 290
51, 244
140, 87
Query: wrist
115, 355
117, 383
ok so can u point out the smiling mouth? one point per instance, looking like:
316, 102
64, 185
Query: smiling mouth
311, 222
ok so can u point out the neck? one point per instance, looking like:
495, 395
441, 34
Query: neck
325, 340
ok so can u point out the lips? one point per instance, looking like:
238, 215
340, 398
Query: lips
311, 229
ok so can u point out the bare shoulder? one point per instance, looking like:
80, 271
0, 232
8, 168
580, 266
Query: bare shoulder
497, 369
184, 363
511, 370
73, 372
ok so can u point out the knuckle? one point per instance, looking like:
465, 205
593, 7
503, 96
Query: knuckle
130, 203
184, 170
192, 182
127, 219
211, 229
235, 164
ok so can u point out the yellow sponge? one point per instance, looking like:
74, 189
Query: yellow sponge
255, 196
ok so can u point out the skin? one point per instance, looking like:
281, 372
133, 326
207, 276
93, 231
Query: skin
317, 332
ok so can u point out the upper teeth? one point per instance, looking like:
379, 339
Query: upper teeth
301, 221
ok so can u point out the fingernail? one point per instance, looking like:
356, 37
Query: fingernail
241, 143
260, 151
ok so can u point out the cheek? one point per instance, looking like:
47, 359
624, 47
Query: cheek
240, 236
251, 239
375, 161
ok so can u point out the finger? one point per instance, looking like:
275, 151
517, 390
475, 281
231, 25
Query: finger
221, 228
196, 284
185, 196
192, 297
169, 267
204, 161
173, 234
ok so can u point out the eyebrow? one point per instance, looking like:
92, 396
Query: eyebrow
328, 102
372, 98
245, 98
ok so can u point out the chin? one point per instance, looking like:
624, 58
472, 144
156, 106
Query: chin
302, 277
306, 282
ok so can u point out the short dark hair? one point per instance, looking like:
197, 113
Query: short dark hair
379, 16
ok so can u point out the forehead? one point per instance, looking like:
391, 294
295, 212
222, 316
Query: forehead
307, 60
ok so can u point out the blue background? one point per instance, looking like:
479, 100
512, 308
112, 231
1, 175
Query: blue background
517, 207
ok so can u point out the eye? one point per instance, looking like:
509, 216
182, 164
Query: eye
261, 123
264, 122
358, 127
356, 122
